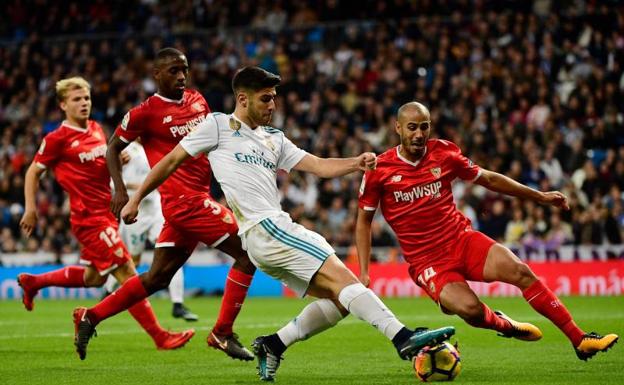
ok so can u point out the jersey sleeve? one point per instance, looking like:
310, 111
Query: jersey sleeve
50, 151
131, 125
464, 168
204, 138
290, 155
370, 191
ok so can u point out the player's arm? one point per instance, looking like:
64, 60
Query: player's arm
333, 167
31, 186
155, 178
363, 242
505, 185
114, 163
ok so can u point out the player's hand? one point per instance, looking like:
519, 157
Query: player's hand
28, 222
130, 211
120, 198
124, 157
365, 279
555, 198
367, 161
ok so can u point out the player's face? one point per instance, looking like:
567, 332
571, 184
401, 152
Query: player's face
414, 128
261, 106
171, 76
77, 105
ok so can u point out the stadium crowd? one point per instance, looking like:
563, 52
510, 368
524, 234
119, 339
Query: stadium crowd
533, 90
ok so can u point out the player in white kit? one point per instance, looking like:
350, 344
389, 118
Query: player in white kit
147, 227
246, 155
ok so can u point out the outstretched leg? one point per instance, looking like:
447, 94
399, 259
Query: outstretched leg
132, 296
333, 280
502, 265
458, 298
70, 276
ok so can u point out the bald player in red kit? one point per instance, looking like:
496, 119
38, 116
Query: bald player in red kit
75, 152
412, 186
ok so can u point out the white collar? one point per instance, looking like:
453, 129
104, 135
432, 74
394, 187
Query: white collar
80, 129
170, 100
407, 160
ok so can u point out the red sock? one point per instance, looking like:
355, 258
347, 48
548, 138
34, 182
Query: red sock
547, 304
70, 276
131, 292
491, 321
144, 315
236, 286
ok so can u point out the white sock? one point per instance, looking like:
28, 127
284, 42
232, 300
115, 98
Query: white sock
317, 316
110, 284
364, 304
176, 287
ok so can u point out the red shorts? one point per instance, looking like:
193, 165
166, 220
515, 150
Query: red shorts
463, 260
196, 219
102, 247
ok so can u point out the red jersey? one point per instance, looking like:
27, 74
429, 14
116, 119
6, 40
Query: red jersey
78, 158
416, 199
162, 123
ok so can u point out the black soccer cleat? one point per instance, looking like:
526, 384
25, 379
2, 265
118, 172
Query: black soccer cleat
422, 337
268, 363
83, 331
181, 311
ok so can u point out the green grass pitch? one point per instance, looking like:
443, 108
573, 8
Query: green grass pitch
37, 347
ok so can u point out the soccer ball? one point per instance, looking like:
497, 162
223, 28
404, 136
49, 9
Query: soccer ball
437, 363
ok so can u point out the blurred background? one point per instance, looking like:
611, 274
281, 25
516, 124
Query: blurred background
531, 89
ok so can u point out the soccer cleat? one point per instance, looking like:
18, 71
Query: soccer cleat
28, 292
520, 330
230, 345
593, 343
83, 331
181, 311
268, 363
170, 341
422, 337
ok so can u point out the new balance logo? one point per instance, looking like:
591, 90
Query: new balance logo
75, 143
396, 178
167, 119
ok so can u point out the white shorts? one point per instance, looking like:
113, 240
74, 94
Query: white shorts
286, 251
146, 227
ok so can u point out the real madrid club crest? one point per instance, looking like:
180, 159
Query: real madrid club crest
235, 125
436, 171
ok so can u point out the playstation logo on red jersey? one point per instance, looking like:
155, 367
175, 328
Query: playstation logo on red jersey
436, 171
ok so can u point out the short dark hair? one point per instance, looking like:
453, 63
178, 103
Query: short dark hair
166, 53
254, 79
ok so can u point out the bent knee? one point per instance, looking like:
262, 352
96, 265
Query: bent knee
470, 310
523, 275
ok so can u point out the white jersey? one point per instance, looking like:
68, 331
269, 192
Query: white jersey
134, 173
245, 163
